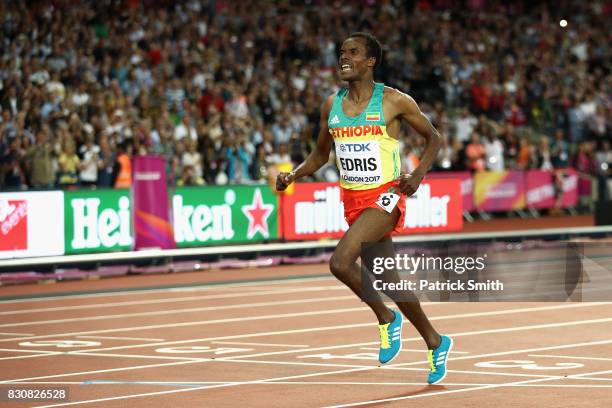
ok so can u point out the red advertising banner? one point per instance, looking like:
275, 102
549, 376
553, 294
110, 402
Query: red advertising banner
435, 207
313, 211
467, 185
152, 227
499, 190
540, 189
13, 225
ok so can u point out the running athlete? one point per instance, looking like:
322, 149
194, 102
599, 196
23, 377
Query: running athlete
363, 121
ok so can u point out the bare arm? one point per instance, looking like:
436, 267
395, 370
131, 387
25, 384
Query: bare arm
317, 158
411, 113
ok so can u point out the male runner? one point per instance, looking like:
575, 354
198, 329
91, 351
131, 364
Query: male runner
363, 121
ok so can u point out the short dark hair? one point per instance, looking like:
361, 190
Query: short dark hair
373, 48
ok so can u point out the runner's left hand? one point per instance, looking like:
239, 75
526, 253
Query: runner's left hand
409, 183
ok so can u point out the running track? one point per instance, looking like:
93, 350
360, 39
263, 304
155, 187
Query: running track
300, 341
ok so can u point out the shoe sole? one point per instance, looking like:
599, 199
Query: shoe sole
445, 370
400, 347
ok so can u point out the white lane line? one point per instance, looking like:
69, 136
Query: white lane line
109, 370
33, 354
29, 351
141, 356
172, 300
194, 323
436, 393
315, 329
261, 344
392, 367
225, 385
137, 291
589, 374
119, 338
470, 333
572, 357
413, 350
196, 383
181, 311
16, 334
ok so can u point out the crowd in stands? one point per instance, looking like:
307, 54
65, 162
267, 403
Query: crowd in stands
228, 90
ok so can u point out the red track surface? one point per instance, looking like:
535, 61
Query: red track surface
294, 343
291, 338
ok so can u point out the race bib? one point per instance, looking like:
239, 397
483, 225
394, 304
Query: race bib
359, 162
388, 201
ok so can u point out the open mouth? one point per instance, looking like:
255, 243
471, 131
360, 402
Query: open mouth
345, 68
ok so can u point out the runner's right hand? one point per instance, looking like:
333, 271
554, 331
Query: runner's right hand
283, 180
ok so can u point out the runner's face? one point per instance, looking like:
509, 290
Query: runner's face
354, 62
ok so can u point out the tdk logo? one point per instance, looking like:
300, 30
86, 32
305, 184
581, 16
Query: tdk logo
356, 147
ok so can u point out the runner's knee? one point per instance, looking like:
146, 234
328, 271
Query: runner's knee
340, 265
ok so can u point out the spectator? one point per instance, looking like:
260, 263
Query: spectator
90, 154
458, 159
238, 162
524, 159
13, 175
281, 156
106, 164
189, 178
259, 166
41, 163
559, 150
122, 170
475, 154
282, 131
494, 151
185, 129
410, 160
193, 159
465, 124
543, 155
68, 166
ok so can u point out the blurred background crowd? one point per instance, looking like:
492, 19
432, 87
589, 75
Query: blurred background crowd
228, 90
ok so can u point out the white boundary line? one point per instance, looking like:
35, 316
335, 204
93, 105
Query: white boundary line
146, 291
174, 300
195, 323
436, 393
225, 385
182, 311
261, 344
195, 383
572, 357
118, 338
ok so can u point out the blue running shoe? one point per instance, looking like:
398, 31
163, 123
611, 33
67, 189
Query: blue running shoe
437, 360
390, 339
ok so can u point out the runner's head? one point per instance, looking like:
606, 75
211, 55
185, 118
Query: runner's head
360, 54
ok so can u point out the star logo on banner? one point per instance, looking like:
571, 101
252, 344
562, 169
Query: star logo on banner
257, 212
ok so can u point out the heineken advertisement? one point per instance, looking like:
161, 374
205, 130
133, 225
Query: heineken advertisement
101, 220
97, 221
215, 215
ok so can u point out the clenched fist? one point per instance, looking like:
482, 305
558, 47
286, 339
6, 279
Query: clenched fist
283, 180
409, 183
